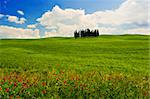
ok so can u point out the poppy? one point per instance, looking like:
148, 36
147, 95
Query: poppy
65, 82
43, 83
0, 88
7, 90
19, 80
15, 84
54, 74
44, 91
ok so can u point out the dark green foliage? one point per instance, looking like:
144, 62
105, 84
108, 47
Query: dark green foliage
86, 33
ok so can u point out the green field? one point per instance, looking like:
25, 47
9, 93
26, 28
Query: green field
113, 67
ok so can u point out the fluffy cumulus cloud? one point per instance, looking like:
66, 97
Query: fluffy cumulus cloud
64, 22
16, 19
32, 26
63, 31
59, 22
12, 32
20, 12
131, 11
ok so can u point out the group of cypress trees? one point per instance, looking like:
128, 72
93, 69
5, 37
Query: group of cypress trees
86, 33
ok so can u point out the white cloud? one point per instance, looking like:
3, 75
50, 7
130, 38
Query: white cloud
108, 30
139, 31
16, 19
57, 15
116, 31
32, 26
64, 22
1, 15
20, 12
63, 31
131, 11
13, 19
22, 20
12, 32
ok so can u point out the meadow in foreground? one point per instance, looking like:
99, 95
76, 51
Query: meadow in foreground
103, 67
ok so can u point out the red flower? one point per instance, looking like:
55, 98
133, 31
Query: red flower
7, 90
15, 84
24, 85
11, 97
61, 72
65, 82
28, 80
0, 88
57, 79
19, 80
44, 91
4, 79
8, 78
10, 82
55, 74
43, 83
18, 97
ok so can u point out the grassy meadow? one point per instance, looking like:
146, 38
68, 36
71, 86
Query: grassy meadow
105, 67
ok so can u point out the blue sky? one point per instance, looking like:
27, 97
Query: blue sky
34, 9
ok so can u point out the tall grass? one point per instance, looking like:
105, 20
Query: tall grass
103, 67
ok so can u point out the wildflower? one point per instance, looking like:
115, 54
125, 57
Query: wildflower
4, 79
54, 74
57, 79
44, 91
11, 97
10, 83
65, 82
61, 72
19, 80
28, 81
0, 88
24, 85
7, 90
15, 84
18, 97
43, 83
8, 78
